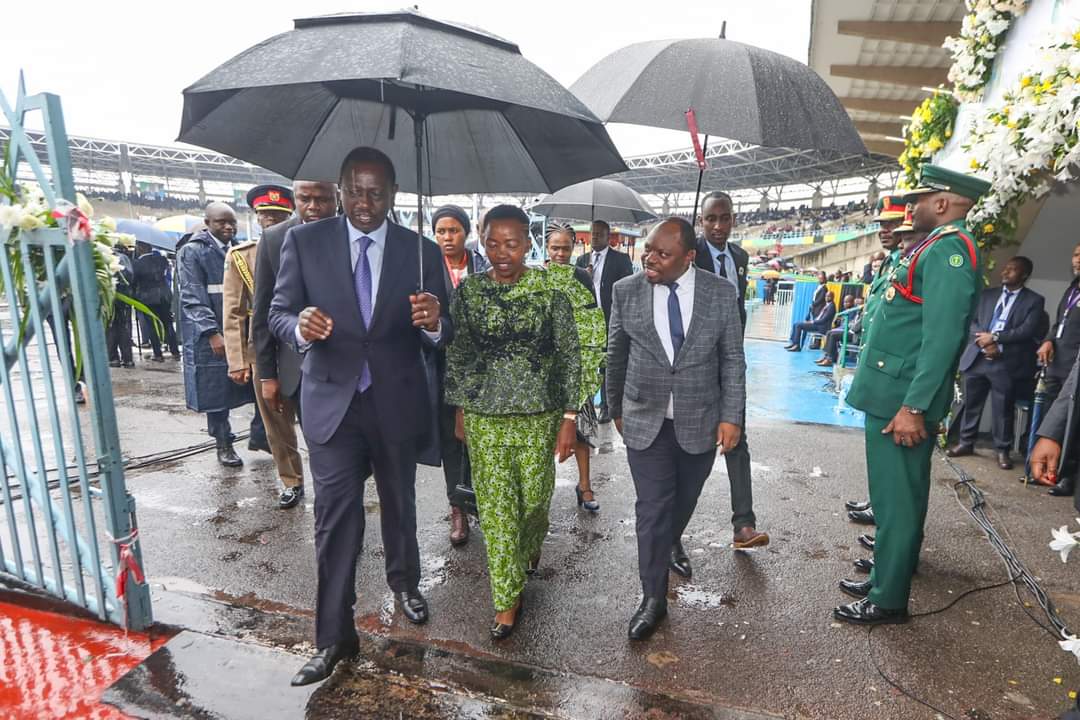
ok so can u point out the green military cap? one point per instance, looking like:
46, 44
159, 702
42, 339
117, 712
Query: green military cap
890, 207
908, 224
934, 178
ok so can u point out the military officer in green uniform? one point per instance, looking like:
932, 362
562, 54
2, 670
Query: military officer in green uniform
904, 382
891, 212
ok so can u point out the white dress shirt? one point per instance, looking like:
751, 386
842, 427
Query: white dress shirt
685, 294
376, 250
724, 257
598, 271
1005, 302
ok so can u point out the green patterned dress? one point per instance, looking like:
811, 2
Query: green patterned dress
515, 368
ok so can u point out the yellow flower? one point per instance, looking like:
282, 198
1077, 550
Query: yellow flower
974, 164
1025, 81
948, 133
935, 144
1076, 36
988, 228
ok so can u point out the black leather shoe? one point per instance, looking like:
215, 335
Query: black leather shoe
322, 664
413, 606
1004, 461
259, 445
501, 631
855, 505
862, 517
864, 564
960, 450
864, 612
290, 497
227, 456
1065, 486
648, 616
855, 589
680, 562
867, 541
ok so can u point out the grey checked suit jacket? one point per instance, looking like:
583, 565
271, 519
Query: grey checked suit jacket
708, 379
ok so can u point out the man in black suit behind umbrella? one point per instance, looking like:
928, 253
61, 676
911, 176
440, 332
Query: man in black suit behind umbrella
607, 266
717, 255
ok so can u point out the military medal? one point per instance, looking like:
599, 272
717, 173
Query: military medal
890, 293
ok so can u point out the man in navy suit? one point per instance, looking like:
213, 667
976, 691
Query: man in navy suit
820, 322
1000, 359
346, 296
607, 266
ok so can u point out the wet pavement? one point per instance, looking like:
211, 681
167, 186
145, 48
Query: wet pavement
750, 636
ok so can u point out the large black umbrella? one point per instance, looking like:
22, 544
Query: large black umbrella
736, 91
608, 200
455, 99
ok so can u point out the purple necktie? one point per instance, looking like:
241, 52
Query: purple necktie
362, 282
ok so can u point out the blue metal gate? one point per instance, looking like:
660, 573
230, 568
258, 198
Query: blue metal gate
67, 522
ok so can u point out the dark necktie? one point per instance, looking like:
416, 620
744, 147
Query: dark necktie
721, 265
362, 281
674, 313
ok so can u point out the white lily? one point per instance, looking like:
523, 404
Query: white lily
1063, 542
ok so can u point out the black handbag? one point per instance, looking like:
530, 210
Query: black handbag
464, 495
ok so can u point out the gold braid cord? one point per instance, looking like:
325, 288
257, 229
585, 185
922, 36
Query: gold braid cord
245, 273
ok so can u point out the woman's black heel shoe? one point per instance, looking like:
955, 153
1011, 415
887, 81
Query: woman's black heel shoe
590, 505
501, 631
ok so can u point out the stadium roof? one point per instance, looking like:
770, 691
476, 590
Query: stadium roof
733, 165
880, 56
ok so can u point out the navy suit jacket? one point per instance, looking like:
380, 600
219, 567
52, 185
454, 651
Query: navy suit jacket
617, 265
1020, 338
704, 260
316, 270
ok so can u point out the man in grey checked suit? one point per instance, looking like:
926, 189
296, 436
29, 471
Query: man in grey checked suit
676, 385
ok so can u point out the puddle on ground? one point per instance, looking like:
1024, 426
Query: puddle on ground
432, 572
692, 596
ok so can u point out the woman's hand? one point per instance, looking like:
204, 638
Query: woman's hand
567, 440
459, 425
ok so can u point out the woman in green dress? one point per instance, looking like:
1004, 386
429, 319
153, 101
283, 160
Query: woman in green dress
576, 283
514, 369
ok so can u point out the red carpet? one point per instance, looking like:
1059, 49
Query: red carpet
55, 666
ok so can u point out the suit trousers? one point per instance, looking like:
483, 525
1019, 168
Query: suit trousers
668, 481
118, 336
899, 491
737, 461
281, 435
981, 379
339, 468
455, 456
163, 311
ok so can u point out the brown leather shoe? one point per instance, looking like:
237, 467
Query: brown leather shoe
459, 527
748, 537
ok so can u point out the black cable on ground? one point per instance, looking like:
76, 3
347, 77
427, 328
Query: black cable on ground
139, 462
1018, 576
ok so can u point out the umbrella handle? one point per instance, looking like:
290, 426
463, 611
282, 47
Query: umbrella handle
700, 177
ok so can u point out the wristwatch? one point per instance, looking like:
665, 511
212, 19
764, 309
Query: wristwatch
994, 336
912, 411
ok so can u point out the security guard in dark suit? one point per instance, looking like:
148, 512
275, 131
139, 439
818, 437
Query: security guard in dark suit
904, 383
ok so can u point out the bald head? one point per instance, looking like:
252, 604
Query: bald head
314, 200
221, 221
935, 209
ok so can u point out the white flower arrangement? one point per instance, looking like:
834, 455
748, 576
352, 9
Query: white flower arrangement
982, 33
1030, 140
1063, 543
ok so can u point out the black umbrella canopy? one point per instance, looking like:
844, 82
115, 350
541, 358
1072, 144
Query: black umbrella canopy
608, 200
737, 91
491, 120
